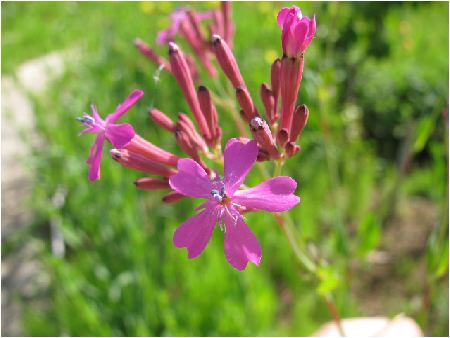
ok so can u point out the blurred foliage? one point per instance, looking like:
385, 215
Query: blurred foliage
376, 83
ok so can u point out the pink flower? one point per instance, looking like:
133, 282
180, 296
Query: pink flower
297, 30
177, 17
119, 135
225, 201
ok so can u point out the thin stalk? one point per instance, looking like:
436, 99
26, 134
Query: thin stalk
332, 308
300, 254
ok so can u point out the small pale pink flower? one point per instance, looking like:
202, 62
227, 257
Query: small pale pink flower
224, 202
177, 17
297, 30
119, 135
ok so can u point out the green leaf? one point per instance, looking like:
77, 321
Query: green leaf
368, 235
329, 280
423, 133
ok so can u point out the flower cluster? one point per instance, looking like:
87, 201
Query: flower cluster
274, 138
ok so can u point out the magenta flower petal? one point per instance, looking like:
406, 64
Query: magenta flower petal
191, 180
194, 234
97, 117
275, 195
125, 106
239, 158
119, 134
240, 244
95, 155
311, 33
300, 33
282, 14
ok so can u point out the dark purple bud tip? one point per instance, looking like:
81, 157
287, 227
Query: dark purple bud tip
173, 47
216, 39
282, 137
202, 88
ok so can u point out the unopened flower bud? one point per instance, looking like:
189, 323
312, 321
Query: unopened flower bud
185, 124
291, 76
210, 112
246, 103
292, 149
149, 150
228, 27
263, 136
269, 104
227, 61
162, 119
299, 121
181, 72
275, 73
191, 31
151, 54
147, 183
172, 196
136, 161
262, 155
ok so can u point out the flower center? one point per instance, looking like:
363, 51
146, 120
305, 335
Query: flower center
220, 196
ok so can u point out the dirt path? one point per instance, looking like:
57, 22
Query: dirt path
22, 275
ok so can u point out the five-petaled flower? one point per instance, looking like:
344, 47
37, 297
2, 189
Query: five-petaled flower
225, 203
297, 30
119, 135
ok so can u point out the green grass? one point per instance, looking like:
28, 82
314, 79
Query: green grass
122, 275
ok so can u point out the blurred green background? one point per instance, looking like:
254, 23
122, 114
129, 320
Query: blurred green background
372, 175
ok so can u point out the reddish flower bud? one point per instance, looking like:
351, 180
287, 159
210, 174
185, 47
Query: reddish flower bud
299, 121
246, 103
210, 112
136, 161
161, 119
291, 76
185, 124
282, 137
228, 27
195, 39
275, 73
151, 54
172, 196
269, 104
262, 155
147, 183
188, 145
149, 150
227, 61
292, 149
181, 72
263, 136
217, 23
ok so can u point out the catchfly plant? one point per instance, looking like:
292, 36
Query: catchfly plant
198, 134
225, 203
